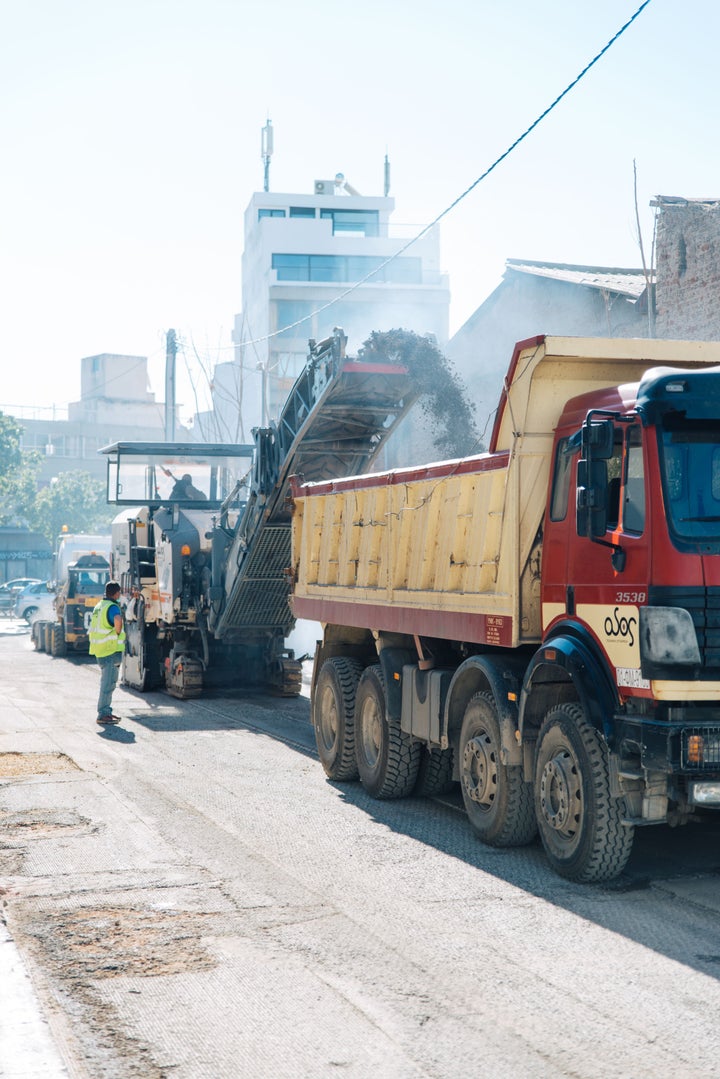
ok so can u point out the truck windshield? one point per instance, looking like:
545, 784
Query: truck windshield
690, 461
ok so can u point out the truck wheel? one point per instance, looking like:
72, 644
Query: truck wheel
47, 638
435, 773
334, 716
140, 662
37, 634
387, 758
497, 801
580, 823
57, 640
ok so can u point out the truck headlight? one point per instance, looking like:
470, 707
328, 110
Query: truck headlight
667, 639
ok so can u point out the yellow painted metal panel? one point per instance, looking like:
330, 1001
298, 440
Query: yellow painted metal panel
685, 691
461, 541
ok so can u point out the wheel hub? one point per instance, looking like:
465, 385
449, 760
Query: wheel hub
479, 772
328, 719
559, 794
371, 733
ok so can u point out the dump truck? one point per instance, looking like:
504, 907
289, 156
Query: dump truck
201, 542
539, 623
83, 586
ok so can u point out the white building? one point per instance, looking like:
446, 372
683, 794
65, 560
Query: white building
303, 259
115, 405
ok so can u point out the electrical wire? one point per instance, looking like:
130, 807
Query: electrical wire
491, 168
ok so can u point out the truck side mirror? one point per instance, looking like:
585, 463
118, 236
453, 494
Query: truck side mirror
591, 510
598, 439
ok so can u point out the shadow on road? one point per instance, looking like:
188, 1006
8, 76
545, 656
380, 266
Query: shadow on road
116, 734
662, 866
283, 718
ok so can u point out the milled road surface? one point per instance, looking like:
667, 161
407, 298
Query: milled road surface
192, 898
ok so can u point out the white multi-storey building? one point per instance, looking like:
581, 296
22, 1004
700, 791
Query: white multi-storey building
310, 263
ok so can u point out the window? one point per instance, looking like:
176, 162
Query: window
561, 481
292, 267
270, 213
633, 516
302, 211
328, 268
361, 222
347, 269
690, 461
614, 469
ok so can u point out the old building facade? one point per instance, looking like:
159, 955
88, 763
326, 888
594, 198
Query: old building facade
688, 268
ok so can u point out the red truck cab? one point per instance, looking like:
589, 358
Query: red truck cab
631, 585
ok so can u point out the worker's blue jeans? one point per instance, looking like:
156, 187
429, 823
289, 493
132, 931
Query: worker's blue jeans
109, 668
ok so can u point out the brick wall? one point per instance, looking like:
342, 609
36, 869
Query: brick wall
688, 269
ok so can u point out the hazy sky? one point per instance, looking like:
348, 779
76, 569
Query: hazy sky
130, 137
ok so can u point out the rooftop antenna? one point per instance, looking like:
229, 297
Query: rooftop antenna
266, 149
386, 185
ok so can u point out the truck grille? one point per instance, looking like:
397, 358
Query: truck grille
704, 607
700, 749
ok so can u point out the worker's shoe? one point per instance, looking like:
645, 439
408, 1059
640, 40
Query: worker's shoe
108, 719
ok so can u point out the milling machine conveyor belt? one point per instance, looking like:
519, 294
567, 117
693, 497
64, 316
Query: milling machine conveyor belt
335, 422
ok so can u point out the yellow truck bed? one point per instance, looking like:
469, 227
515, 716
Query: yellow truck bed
453, 549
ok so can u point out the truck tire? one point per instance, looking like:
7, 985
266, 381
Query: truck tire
47, 636
57, 640
387, 758
334, 716
435, 773
497, 801
580, 822
140, 662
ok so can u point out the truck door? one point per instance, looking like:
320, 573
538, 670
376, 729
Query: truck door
610, 577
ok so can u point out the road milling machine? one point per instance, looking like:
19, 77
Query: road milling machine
202, 541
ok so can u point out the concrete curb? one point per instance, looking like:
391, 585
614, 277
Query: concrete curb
27, 1048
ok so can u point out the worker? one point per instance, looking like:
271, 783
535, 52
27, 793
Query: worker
184, 489
107, 644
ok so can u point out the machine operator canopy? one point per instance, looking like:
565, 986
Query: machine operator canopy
190, 474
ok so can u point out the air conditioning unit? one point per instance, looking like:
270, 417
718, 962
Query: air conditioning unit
324, 187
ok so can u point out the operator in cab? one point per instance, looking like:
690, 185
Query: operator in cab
184, 489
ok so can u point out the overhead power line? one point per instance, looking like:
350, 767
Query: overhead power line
491, 168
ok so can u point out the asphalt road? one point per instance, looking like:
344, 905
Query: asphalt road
189, 897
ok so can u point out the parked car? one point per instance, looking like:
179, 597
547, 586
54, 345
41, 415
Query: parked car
35, 601
9, 592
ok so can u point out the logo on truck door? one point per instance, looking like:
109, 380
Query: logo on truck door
616, 628
621, 626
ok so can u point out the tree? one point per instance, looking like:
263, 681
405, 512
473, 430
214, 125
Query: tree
18, 474
10, 452
74, 499
443, 398
19, 491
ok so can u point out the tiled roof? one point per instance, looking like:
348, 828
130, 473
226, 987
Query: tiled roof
624, 282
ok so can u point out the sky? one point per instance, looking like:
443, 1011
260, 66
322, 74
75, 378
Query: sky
130, 147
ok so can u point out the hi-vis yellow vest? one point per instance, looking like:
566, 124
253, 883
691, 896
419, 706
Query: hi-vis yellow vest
103, 639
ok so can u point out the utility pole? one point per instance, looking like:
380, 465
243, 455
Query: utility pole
170, 354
